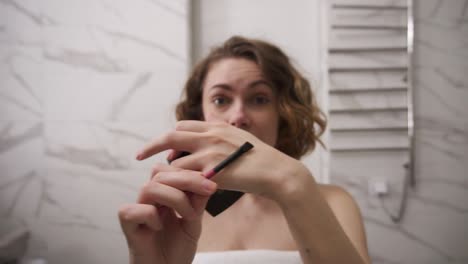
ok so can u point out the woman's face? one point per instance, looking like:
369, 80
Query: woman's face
236, 92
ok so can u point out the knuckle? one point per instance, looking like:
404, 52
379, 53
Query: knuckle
179, 125
185, 183
149, 192
217, 156
180, 198
166, 138
213, 137
170, 136
152, 213
125, 212
156, 168
195, 180
157, 177
219, 124
146, 189
176, 163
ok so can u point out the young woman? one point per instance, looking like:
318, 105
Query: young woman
244, 90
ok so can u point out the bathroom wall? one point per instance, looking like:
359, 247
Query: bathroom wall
83, 85
434, 226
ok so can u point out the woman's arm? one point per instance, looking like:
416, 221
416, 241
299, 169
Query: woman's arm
326, 225
324, 221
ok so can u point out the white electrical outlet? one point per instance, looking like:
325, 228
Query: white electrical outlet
378, 187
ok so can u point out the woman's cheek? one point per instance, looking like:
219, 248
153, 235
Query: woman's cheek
210, 117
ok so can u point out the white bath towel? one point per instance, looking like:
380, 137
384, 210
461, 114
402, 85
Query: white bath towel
248, 256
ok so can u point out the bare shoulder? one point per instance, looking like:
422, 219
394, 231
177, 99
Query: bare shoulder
348, 214
335, 195
341, 202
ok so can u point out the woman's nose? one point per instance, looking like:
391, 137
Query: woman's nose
239, 116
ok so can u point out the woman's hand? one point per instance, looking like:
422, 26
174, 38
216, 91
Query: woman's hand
154, 232
263, 170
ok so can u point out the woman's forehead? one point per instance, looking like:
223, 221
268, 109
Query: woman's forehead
234, 72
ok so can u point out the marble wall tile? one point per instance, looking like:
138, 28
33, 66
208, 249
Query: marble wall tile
87, 96
21, 94
21, 149
83, 86
99, 146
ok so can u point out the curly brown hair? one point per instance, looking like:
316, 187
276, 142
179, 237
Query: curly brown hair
301, 120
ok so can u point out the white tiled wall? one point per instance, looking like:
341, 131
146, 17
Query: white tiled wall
83, 86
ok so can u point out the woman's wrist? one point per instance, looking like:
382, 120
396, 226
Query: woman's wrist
290, 183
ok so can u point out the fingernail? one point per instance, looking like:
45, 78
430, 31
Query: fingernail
170, 157
139, 155
209, 186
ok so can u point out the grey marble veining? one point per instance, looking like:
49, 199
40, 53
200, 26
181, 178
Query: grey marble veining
118, 106
120, 36
28, 12
8, 141
97, 61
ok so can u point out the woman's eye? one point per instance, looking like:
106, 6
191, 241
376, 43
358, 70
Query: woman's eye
220, 101
260, 100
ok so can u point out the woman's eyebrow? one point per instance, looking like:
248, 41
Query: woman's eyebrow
223, 86
259, 82
251, 85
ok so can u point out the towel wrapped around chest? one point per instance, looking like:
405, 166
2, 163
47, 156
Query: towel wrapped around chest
248, 256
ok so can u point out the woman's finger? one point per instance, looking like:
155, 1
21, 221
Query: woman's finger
180, 140
193, 162
131, 216
176, 155
159, 167
199, 203
155, 193
172, 155
187, 181
192, 126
